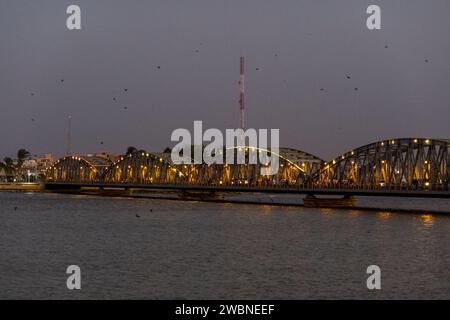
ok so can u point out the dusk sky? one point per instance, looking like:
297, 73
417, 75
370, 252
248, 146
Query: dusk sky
292, 49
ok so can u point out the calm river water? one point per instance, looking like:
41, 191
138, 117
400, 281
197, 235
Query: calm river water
162, 249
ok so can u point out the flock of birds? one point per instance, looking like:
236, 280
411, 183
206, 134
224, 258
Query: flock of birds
257, 68
114, 99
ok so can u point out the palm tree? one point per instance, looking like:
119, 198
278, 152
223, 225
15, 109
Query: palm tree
2, 167
22, 154
131, 150
8, 165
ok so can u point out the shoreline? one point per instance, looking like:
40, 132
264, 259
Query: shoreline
21, 186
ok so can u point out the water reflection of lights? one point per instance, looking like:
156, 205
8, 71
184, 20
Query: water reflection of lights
354, 213
384, 214
427, 219
266, 209
326, 211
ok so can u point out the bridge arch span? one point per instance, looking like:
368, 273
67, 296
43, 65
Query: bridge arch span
73, 169
295, 168
395, 164
143, 168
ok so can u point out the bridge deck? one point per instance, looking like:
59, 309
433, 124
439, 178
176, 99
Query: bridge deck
251, 189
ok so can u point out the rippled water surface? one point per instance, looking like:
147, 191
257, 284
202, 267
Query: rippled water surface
156, 249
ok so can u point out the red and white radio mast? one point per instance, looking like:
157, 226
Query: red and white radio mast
241, 99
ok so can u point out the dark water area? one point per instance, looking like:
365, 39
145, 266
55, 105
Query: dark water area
162, 249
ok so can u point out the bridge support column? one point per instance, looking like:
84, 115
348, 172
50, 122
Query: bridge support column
112, 191
312, 201
199, 195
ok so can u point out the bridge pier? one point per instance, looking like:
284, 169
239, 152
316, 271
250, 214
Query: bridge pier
199, 195
105, 191
312, 201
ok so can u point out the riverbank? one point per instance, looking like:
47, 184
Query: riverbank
21, 186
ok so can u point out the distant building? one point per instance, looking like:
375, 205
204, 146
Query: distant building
30, 165
45, 161
34, 169
29, 171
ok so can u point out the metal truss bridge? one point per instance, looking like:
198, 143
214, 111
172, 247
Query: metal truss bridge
418, 167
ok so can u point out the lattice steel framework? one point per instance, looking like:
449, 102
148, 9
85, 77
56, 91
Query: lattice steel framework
142, 168
72, 169
397, 164
290, 174
148, 168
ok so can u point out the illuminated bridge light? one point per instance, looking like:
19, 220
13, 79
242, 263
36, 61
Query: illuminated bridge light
362, 169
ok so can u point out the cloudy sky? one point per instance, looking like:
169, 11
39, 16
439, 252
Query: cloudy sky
179, 61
